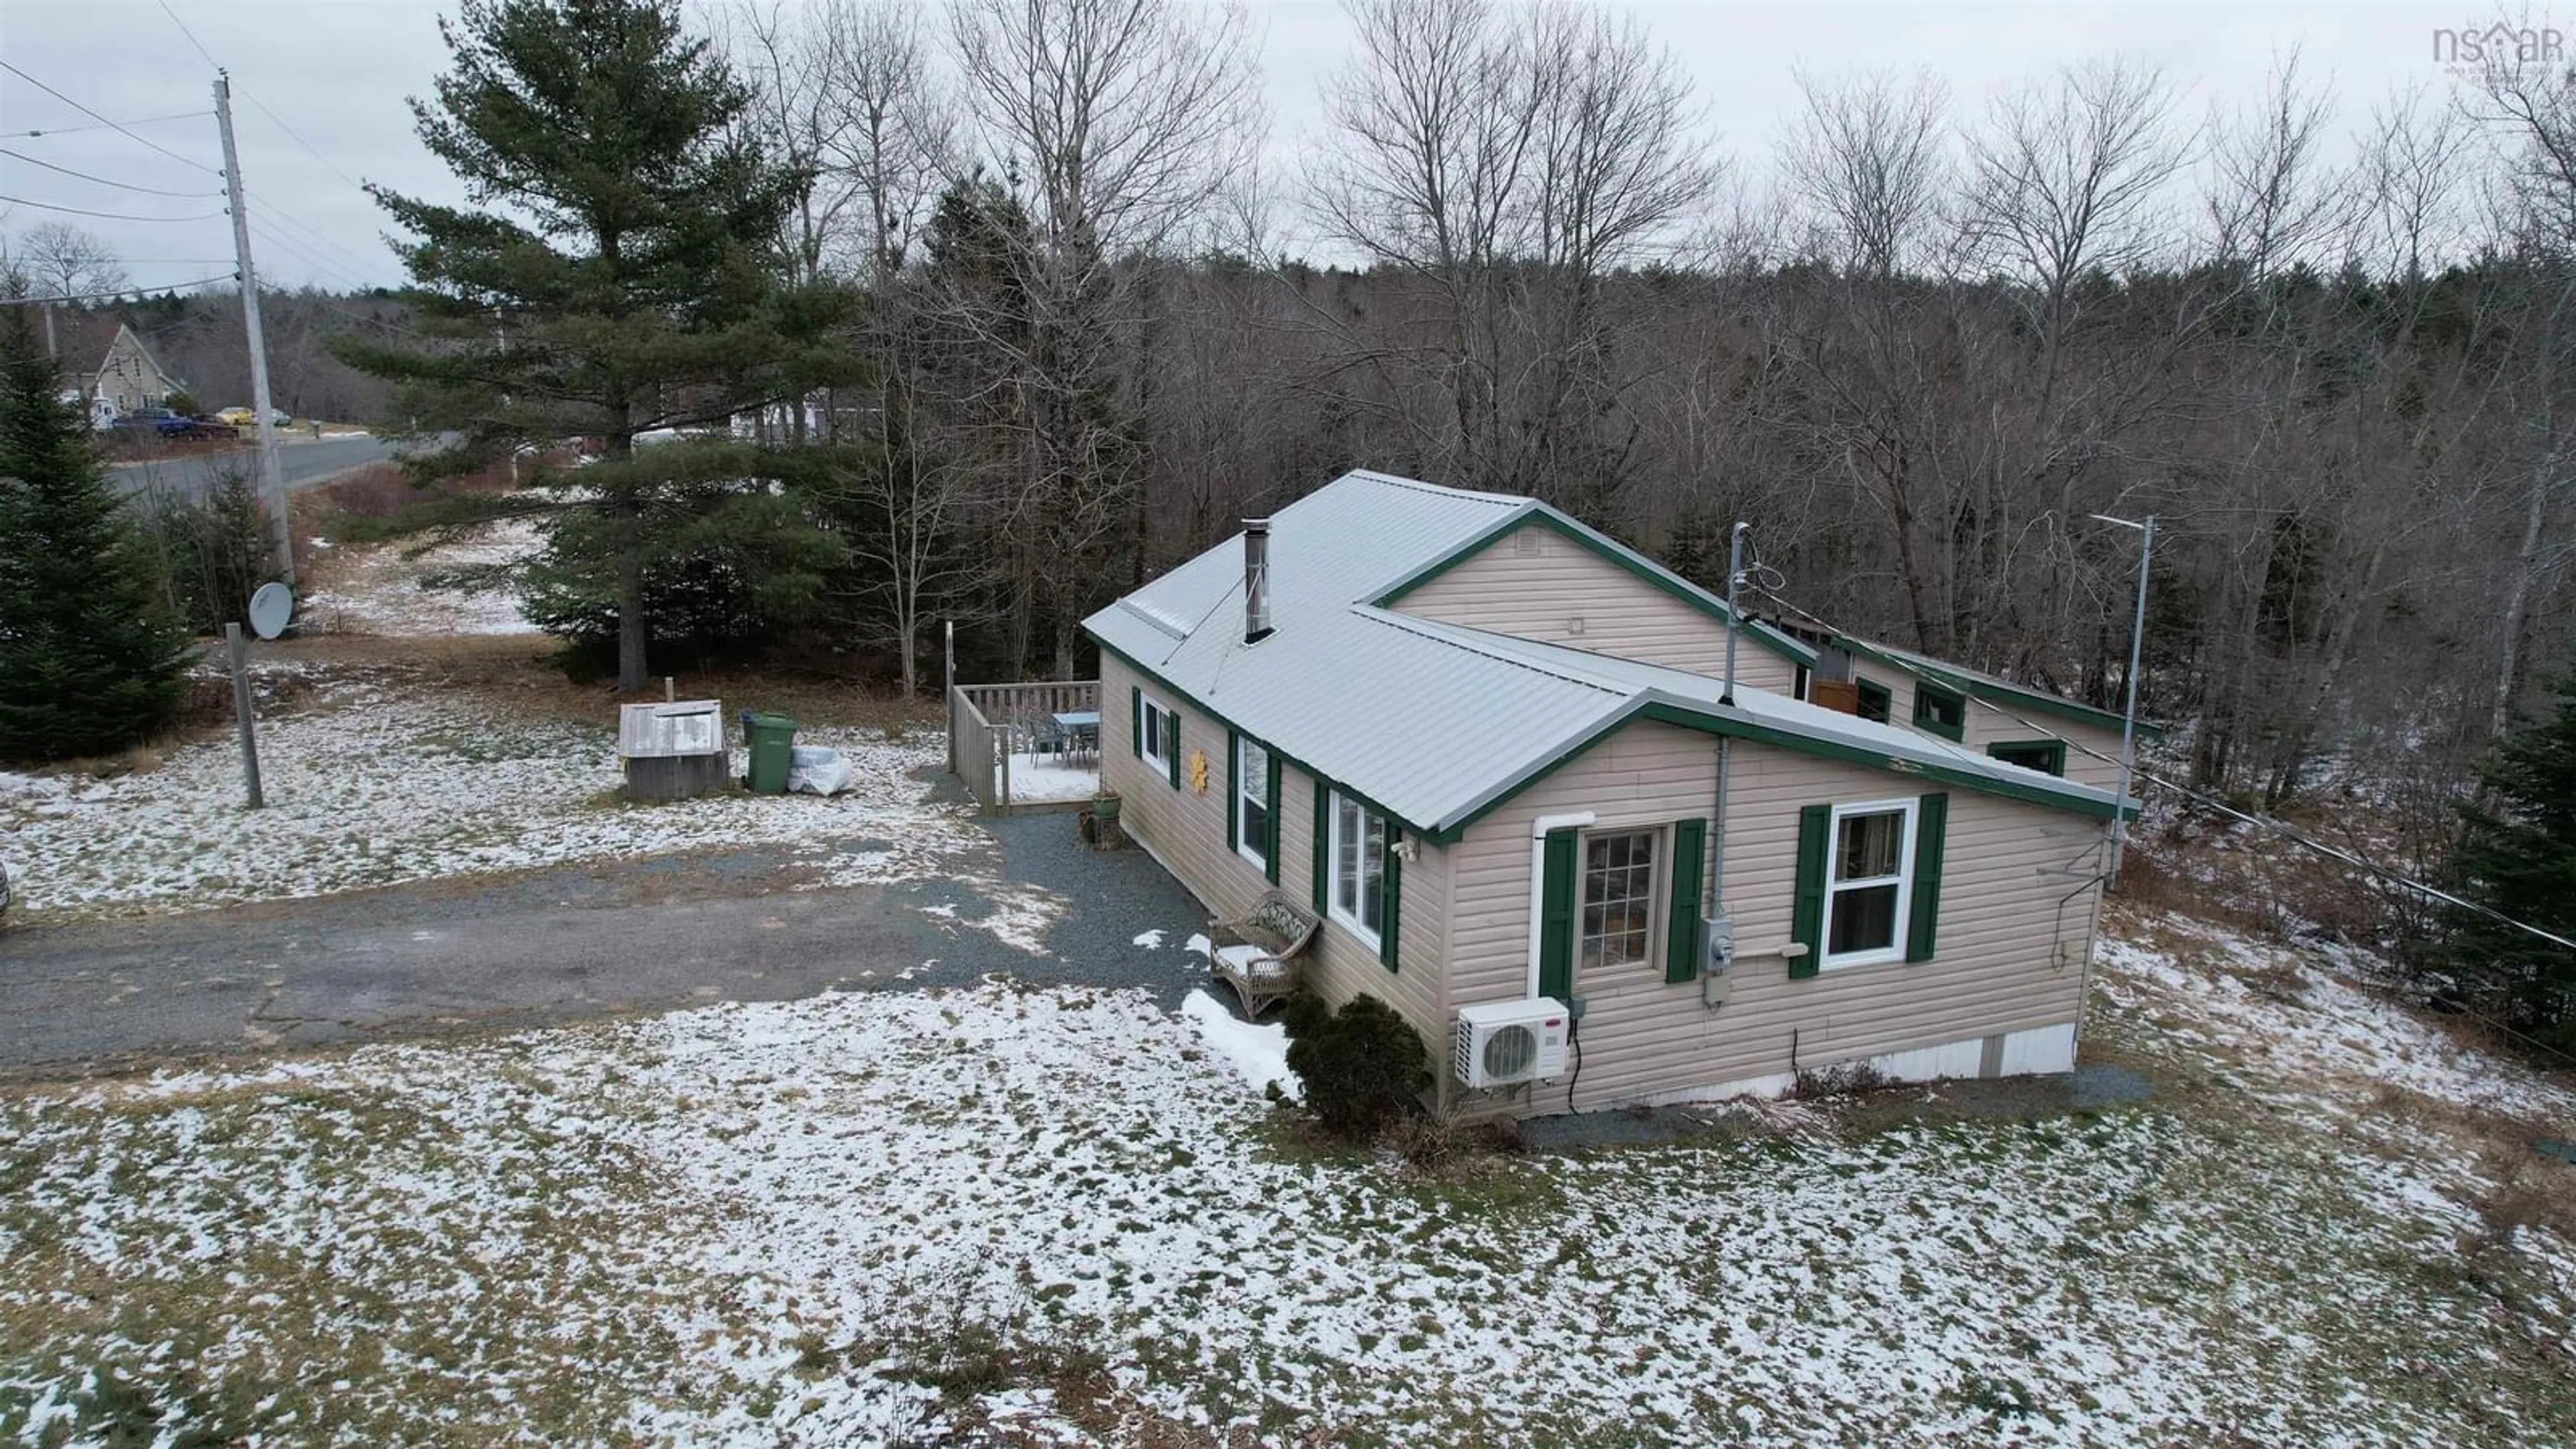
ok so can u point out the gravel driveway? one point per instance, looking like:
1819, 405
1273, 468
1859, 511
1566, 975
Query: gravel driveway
642, 935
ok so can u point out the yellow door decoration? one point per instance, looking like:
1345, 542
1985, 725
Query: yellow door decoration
1198, 771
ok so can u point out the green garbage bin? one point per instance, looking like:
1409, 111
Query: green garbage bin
772, 739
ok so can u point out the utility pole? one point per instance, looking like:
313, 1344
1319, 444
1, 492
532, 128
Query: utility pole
272, 477
2129, 716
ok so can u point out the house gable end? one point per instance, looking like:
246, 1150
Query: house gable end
1644, 609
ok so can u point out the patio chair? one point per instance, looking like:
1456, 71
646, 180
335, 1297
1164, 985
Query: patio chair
1258, 953
1046, 737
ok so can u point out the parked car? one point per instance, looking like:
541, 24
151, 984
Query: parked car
238, 417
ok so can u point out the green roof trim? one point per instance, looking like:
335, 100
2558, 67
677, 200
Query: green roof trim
1708, 723
1965, 778
1191, 696
1611, 551
1985, 686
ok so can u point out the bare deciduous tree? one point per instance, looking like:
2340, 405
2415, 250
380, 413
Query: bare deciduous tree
1505, 161
1118, 123
61, 260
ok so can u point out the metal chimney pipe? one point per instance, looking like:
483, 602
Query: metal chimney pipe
1256, 580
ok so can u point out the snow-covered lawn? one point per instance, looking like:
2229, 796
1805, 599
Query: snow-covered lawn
2304, 1027
898, 1217
372, 784
384, 591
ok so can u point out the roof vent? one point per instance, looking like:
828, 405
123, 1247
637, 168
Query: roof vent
1256, 580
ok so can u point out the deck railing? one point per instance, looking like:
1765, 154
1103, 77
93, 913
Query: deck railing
989, 723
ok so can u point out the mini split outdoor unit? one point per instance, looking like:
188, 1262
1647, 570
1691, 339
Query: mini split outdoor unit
1501, 1043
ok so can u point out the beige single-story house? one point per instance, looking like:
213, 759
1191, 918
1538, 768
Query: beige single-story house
1495, 751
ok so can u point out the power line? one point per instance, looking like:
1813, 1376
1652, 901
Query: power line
256, 102
115, 126
291, 247
184, 30
119, 292
300, 141
103, 215
103, 181
105, 126
359, 266
2291, 832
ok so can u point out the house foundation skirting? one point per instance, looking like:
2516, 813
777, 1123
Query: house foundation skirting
2035, 1052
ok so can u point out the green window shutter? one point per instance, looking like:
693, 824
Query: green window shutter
1173, 740
1323, 846
1136, 720
1807, 911
1233, 795
1278, 807
1556, 917
1390, 928
1681, 928
1931, 823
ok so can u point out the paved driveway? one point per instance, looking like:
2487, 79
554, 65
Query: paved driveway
565, 944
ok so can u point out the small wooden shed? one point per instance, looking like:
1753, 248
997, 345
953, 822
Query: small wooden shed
673, 751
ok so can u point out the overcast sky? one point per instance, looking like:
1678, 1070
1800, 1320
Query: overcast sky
336, 73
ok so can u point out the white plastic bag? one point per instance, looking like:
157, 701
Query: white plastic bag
817, 771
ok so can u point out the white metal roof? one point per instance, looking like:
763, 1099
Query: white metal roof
1432, 721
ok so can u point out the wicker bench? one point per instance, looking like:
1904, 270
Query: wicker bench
1257, 953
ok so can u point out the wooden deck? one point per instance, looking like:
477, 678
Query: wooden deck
991, 724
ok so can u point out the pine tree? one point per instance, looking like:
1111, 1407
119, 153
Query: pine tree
615, 277
2519, 859
90, 654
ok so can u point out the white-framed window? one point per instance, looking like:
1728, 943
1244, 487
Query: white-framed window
1359, 867
1252, 803
1867, 882
1162, 733
1619, 879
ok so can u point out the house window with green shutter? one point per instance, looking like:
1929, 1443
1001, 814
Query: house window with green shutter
1357, 852
1619, 897
1255, 823
1160, 736
1866, 883
1939, 711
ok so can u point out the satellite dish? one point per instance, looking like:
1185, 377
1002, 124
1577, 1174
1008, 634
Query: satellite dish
270, 609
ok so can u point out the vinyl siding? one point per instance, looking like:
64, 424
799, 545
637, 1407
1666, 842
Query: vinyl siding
1987, 727
1546, 594
2010, 953
1186, 830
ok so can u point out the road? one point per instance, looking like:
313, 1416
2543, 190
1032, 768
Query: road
305, 463
562, 945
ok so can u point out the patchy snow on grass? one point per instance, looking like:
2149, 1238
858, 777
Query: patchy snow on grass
374, 788
1046, 779
1256, 1053
917, 1216
1151, 940
2305, 1021
388, 592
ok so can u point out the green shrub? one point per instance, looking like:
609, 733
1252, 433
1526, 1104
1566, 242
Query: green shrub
214, 550
1361, 1066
